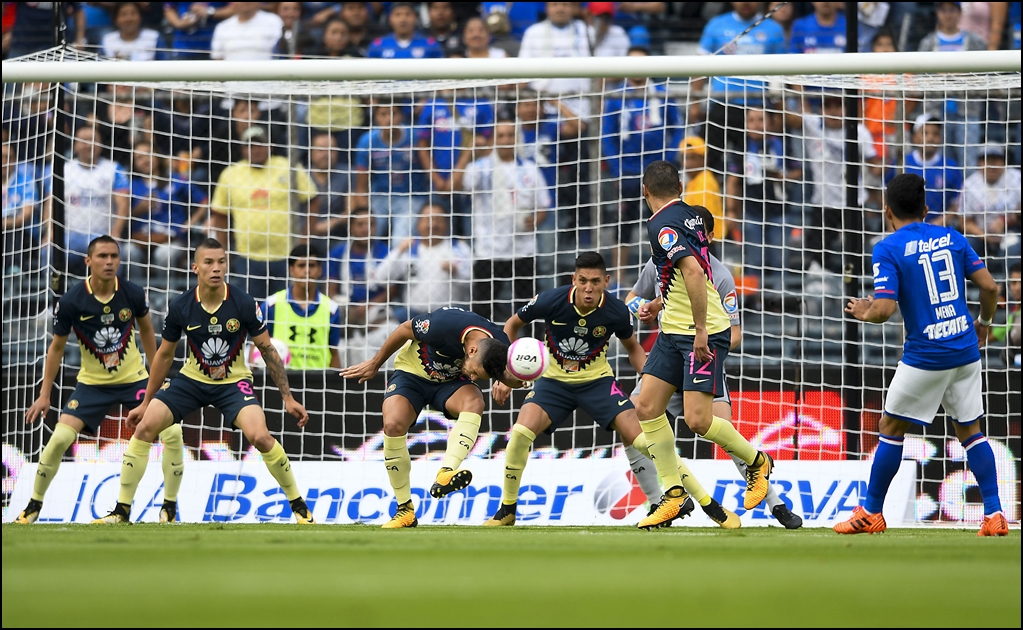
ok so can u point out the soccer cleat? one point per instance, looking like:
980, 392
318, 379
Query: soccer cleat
404, 516
31, 513
726, 519
504, 517
120, 514
449, 481
301, 511
169, 512
862, 523
993, 526
757, 482
787, 517
674, 504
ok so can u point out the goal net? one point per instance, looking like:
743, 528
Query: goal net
414, 195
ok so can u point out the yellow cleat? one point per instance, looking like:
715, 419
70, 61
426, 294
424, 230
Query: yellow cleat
120, 514
169, 512
757, 483
725, 518
31, 513
404, 516
674, 504
303, 515
504, 517
449, 481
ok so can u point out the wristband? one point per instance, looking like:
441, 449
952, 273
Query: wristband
635, 303
983, 322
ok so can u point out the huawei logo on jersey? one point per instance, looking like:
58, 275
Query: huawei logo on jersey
574, 348
107, 339
215, 351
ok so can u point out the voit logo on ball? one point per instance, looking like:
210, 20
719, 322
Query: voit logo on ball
618, 495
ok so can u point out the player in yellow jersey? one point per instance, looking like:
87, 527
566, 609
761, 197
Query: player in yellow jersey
102, 311
215, 317
579, 320
690, 351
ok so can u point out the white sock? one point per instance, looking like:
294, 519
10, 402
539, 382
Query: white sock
646, 473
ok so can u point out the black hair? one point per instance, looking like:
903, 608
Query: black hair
906, 196
591, 260
493, 356
408, 5
661, 179
208, 243
1015, 268
106, 238
708, 218
299, 252
884, 32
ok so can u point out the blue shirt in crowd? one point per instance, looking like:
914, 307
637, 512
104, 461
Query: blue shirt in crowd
808, 36
943, 181
419, 47
389, 165
637, 129
768, 38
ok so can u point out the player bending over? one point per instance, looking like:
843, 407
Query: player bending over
441, 356
102, 311
922, 269
215, 317
580, 319
690, 350
645, 303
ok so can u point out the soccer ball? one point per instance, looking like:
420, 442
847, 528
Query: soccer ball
256, 357
527, 359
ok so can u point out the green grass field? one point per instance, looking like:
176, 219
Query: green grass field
279, 575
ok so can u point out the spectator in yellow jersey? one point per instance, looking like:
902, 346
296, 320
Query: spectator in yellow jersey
701, 187
254, 200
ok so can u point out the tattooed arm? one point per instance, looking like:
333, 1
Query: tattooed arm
275, 368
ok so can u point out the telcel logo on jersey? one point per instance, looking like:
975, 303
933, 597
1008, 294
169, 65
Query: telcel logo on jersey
667, 237
922, 246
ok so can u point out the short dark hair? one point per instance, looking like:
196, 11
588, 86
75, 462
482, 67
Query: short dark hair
708, 218
884, 32
106, 238
1015, 268
207, 243
494, 357
590, 260
661, 179
907, 197
313, 251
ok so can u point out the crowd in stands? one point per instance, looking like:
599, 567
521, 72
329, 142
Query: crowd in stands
470, 197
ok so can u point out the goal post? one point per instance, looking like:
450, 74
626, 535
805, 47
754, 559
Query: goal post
427, 183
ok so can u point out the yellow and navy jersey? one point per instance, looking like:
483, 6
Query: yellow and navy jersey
215, 338
577, 341
105, 331
676, 231
437, 350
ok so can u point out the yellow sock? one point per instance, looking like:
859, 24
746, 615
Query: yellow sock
660, 443
723, 434
689, 481
173, 461
133, 468
460, 440
277, 462
49, 461
515, 458
399, 466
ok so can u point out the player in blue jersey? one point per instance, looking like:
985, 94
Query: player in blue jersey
441, 356
690, 350
215, 317
922, 269
102, 311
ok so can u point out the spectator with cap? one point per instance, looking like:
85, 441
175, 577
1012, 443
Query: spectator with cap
404, 42
941, 173
700, 187
253, 203
609, 39
990, 205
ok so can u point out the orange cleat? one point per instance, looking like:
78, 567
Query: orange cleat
862, 523
994, 526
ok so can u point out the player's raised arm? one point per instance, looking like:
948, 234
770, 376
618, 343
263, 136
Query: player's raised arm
54, 358
275, 368
988, 301
368, 369
696, 286
513, 326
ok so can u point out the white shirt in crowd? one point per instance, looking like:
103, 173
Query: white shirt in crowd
504, 195
89, 192
616, 42
254, 40
990, 203
824, 154
545, 40
142, 48
437, 275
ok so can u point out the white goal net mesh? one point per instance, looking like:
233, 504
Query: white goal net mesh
391, 186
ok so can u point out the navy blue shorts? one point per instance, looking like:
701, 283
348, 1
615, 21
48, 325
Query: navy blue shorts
421, 392
672, 360
184, 395
603, 399
90, 403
